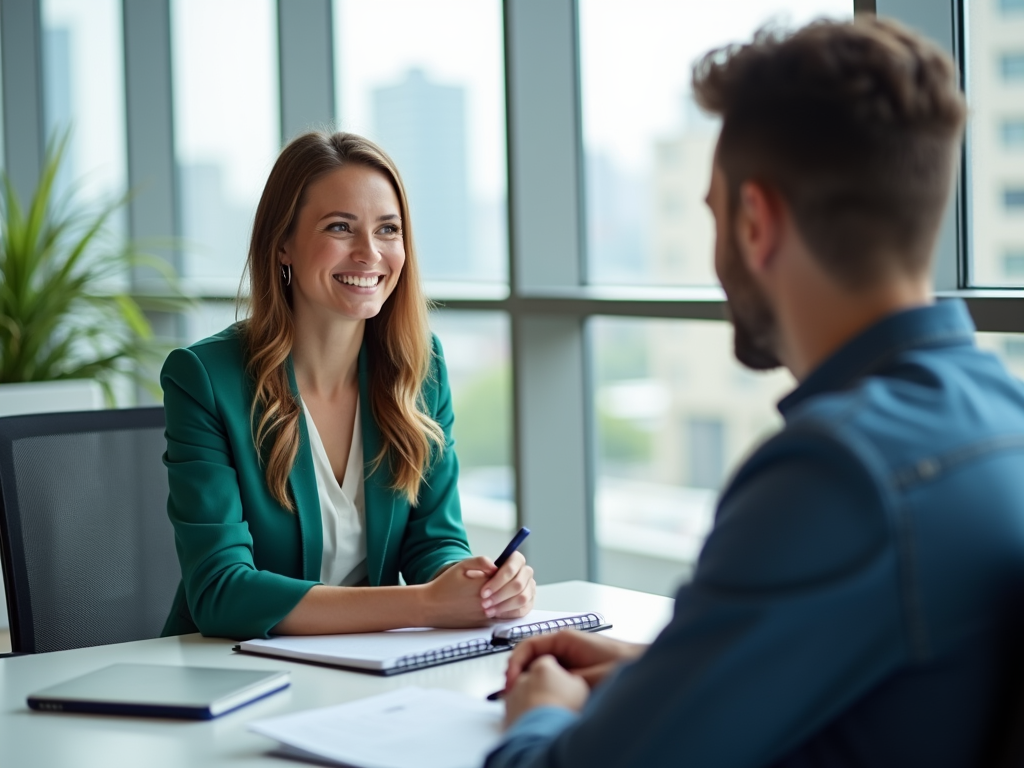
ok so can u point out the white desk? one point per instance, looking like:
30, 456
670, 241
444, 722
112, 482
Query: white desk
29, 739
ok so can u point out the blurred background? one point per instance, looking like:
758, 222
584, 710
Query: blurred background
669, 413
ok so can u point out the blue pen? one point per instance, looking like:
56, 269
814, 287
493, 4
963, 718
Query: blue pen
513, 545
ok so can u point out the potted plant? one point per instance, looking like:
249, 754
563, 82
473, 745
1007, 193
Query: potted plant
67, 309
70, 324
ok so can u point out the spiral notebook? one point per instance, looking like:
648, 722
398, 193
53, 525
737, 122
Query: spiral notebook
403, 650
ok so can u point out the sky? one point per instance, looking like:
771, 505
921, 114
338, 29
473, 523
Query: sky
225, 60
97, 91
224, 69
636, 59
455, 42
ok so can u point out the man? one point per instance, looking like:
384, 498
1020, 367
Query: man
852, 604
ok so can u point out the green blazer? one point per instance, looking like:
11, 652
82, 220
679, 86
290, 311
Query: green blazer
246, 561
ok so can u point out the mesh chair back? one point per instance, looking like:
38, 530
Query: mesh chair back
88, 551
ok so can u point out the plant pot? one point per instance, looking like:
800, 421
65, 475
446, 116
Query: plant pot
50, 397
46, 397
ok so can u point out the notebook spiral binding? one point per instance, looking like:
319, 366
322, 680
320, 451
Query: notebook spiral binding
507, 639
586, 621
448, 653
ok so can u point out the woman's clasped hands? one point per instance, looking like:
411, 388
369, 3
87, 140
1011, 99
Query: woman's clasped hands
473, 591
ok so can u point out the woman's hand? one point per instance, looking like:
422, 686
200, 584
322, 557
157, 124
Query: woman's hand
453, 599
471, 591
510, 591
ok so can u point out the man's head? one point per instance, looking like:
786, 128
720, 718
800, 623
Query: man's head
850, 131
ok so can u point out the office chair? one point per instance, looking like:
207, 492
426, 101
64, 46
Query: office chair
88, 552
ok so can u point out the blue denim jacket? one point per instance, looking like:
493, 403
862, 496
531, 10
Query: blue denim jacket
852, 605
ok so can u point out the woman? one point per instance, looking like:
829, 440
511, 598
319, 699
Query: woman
309, 447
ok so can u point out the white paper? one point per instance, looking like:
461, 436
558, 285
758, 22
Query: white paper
379, 650
407, 728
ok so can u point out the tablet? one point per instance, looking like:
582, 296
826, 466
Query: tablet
155, 690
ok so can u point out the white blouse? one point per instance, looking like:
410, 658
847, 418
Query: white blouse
342, 510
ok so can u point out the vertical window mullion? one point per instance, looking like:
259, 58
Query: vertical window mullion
24, 123
942, 23
153, 215
306, 61
553, 476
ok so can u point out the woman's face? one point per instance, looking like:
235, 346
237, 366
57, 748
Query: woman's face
346, 249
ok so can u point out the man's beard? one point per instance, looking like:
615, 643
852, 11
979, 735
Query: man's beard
755, 329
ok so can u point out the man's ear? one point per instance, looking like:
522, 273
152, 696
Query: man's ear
758, 226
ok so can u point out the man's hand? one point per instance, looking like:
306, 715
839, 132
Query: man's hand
590, 657
545, 684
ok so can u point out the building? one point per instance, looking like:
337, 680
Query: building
422, 125
996, 142
215, 226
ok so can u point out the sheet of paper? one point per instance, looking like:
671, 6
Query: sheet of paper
376, 648
407, 728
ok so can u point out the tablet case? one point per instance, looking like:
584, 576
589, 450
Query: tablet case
155, 690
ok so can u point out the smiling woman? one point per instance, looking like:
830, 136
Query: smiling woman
309, 448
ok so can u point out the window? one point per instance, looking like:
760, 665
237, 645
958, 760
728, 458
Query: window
208, 318
996, 141
647, 146
83, 79
1011, 65
435, 103
705, 450
666, 437
1009, 347
84, 100
226, 130
1013, 199
3, 161
675, 413
1012, 133
1013, 264
477, 354
1013, 350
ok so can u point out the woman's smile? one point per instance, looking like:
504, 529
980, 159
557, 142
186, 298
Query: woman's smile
360, 283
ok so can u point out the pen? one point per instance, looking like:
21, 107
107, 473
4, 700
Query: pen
513, 545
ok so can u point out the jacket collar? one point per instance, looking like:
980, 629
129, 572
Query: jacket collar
946, 323
377, 495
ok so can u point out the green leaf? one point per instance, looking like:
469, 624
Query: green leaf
65, 307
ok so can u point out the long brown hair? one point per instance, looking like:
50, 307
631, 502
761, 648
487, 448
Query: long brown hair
397, 340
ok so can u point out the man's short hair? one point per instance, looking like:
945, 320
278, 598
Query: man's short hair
857, 127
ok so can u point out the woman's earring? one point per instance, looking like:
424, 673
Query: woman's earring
286, 274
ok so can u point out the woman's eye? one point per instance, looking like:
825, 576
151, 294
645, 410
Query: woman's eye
389, 229
338, 226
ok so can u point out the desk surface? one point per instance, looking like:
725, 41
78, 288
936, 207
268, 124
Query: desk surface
30, 738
